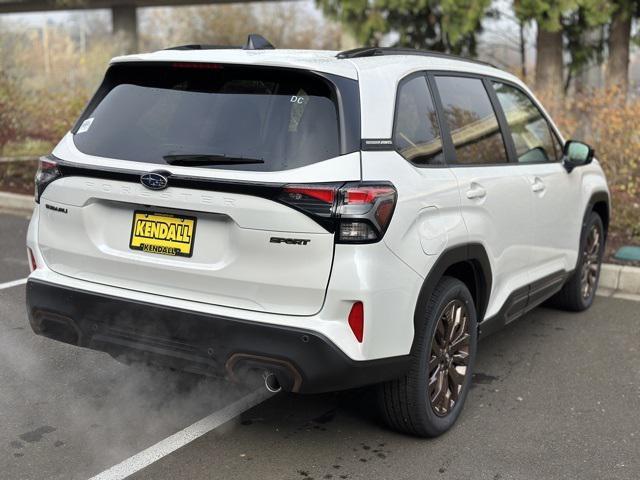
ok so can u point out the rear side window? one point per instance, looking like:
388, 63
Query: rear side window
471, 120
416, 134
209, 115
530, 131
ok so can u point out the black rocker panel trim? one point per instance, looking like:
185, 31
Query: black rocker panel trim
523, 300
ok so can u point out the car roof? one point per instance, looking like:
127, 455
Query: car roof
396, 65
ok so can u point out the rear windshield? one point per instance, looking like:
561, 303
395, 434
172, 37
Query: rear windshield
216, 116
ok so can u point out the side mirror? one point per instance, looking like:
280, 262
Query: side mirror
576, 154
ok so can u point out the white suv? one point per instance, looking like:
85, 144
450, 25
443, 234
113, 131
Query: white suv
332, 219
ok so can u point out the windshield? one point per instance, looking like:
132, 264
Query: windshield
212, 115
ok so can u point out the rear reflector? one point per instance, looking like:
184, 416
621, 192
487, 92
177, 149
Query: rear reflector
356, 321
32, 260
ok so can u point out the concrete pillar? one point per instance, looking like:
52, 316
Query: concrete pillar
124, 21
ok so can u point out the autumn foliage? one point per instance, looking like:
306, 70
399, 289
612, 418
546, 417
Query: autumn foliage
610, 123
8, 110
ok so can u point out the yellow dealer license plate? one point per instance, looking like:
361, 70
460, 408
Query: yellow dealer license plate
163, 233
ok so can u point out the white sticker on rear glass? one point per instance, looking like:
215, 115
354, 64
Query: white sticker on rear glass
85, 125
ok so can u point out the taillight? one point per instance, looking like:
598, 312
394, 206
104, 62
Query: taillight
358, 212
48, 171
315, 199
364, 211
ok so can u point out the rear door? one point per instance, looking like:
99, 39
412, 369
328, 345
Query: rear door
495, 196
251, 157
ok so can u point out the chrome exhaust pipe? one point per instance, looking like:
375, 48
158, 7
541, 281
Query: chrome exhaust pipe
271, 382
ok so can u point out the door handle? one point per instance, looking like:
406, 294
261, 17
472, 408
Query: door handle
476, 191
538, 185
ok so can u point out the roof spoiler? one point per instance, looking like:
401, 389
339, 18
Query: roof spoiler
254, 42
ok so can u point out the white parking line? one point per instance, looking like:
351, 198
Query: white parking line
14, 283
170, 444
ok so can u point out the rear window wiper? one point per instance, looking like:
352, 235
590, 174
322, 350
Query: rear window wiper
199, 159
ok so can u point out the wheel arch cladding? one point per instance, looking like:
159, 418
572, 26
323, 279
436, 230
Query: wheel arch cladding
599, 203
468, 263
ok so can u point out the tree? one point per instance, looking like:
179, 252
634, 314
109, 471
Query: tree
584, 40
296, 25
443, 25
547, 14
556, 21
618, 44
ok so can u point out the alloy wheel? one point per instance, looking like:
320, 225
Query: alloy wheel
590, 262
449, 357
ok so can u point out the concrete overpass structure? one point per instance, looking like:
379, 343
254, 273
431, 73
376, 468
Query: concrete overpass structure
124, 16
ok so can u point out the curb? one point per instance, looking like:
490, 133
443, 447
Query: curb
16, 202
619, 279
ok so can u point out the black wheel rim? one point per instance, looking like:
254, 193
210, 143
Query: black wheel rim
449, 358
590, 262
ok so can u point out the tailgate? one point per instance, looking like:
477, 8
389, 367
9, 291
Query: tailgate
246, 252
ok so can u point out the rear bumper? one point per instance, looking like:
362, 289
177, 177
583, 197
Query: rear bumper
303, 360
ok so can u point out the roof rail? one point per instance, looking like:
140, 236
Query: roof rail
381, 51
200, 46
254, 42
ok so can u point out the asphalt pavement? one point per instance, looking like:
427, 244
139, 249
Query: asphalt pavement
13, 252
556, 395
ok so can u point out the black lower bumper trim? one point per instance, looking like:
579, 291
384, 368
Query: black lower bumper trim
303, 360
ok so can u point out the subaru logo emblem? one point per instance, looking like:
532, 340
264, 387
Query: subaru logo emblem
154, 181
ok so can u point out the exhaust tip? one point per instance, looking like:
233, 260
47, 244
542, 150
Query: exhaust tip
271, 383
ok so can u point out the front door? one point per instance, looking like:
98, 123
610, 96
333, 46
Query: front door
554, 191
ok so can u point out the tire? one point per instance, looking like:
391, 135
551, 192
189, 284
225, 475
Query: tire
405, 403
572, 297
